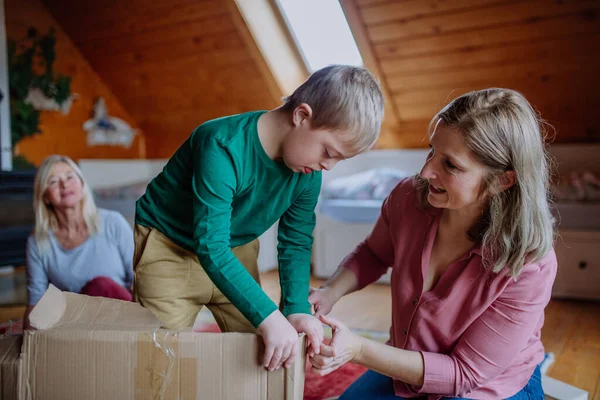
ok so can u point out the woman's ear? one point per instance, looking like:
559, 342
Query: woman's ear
301, 114
507, 179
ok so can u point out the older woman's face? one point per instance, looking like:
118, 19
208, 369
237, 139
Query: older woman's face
64, 188
454, 175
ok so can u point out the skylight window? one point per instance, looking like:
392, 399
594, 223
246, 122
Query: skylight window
321, 31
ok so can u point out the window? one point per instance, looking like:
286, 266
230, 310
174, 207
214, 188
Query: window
321, 32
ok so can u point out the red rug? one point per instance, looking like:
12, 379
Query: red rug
333, 385
12, 327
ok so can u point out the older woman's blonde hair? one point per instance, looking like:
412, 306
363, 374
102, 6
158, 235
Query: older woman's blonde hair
343, 97
505, 134
45, 216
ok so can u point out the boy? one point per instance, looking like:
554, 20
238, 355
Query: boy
198, 222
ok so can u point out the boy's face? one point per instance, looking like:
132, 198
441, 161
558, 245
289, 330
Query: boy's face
307, 149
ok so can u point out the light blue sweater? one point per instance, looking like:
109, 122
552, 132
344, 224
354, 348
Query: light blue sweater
108, 253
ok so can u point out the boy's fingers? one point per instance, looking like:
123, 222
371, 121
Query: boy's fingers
314, 341
318, 341
268, 355
284, 358
276, 357
292, 357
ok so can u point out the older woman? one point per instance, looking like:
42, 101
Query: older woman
470, 244
75, 246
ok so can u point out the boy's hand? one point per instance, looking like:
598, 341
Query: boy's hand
312, 327
345, 346
323, 300
280, 340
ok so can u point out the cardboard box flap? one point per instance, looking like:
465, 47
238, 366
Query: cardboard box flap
63, 310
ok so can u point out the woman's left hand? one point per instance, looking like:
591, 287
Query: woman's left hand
345, 346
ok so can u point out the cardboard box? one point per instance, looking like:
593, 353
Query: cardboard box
10, 349
96, 348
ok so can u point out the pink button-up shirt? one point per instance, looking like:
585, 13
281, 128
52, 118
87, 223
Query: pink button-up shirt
478, 332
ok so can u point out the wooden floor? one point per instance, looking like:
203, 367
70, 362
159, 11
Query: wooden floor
571, 330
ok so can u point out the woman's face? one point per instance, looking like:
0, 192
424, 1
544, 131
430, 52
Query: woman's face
64, 189
455, 177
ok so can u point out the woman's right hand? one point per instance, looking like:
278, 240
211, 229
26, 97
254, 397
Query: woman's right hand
323, 299
280, 339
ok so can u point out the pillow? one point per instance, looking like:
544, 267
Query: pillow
373, 184
578, 186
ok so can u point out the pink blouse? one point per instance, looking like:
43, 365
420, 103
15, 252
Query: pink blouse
478, 332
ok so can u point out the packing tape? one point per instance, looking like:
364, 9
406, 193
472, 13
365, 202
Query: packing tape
160, 368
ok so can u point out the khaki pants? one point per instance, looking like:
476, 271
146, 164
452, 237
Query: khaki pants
171, 283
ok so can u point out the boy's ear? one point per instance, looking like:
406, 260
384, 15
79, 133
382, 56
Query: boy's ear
302, 113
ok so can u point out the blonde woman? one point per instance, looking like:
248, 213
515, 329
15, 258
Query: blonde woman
470, 244
75, 246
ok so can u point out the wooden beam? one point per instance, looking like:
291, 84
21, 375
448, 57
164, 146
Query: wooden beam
354, 18
255, 53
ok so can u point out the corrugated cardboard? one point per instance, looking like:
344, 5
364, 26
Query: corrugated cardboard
96, 348
10, 349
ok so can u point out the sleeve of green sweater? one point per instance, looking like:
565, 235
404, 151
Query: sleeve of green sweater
214, 185
295, 248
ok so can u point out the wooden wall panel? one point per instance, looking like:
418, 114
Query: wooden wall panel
63, 134
430, 51
172, 63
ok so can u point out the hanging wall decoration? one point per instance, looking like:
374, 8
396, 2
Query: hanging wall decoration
105, 130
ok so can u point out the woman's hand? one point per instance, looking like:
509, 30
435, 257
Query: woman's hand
312, 327
345, 346
280, 340
323, 300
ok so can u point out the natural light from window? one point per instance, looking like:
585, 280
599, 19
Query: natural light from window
322, 32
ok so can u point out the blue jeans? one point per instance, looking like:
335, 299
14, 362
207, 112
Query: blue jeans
374, 386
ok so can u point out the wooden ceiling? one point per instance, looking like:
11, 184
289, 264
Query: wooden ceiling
173, 64
429, 51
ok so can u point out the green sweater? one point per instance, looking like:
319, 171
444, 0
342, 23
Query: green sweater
221, 190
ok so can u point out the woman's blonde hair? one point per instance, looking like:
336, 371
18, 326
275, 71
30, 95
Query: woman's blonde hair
45, 216
342, 97
504, 133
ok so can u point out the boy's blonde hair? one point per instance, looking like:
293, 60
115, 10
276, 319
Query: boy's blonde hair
342, 97
45, 216
505, 134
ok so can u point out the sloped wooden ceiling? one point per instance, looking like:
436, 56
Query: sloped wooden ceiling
173, 64
429, 51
